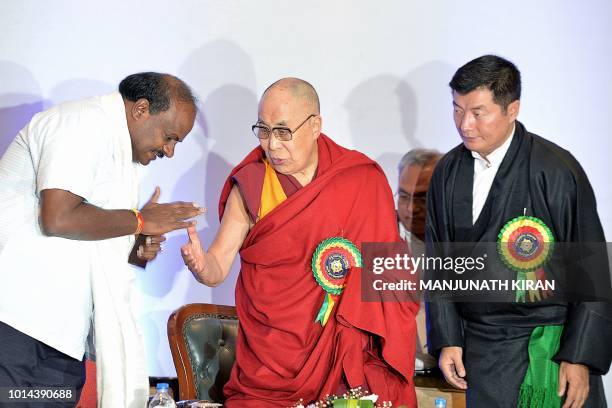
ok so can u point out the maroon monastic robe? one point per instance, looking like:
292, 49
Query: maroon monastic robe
282, 354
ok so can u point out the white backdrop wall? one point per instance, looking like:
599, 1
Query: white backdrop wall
381, 69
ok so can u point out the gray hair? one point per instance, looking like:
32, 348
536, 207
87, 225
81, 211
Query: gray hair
419, 157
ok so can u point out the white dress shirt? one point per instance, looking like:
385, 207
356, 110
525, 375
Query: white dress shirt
485, 170
50, 284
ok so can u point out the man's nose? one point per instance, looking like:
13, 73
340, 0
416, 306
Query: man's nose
467, 122
168, 150
273, 142
413, 207
417, 208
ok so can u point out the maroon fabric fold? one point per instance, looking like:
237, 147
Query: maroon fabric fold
282, 354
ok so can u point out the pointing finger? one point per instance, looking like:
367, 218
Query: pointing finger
193, 235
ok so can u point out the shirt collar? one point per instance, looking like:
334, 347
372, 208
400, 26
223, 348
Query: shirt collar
496, 156
404, 233
408, 236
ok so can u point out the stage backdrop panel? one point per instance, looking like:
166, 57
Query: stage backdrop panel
381, 69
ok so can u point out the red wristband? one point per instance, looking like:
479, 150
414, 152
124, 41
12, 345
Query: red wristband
140, 221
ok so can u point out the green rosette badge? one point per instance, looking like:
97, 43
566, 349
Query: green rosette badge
525, 244
331, 261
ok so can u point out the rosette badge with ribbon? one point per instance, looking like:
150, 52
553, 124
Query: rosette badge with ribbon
525, 244
331, 262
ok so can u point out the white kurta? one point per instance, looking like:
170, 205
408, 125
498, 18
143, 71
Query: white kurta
50, 284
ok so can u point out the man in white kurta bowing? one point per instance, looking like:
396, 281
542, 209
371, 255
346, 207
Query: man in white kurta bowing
68, 222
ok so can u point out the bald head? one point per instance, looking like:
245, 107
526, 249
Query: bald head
292, 105
302, 91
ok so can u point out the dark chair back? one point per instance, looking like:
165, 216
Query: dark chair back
203, 343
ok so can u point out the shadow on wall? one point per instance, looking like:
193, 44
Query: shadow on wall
376, 109
20, 99
222, 136
406, 113
433, 124
229, 110
18, 105
75, 89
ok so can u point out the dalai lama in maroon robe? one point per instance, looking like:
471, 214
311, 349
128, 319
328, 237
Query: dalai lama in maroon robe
298, 339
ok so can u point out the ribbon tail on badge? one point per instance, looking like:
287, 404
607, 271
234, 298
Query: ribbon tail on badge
534, 292
326, 309
520, 291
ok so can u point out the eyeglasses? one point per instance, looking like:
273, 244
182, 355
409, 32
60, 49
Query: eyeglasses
283, 134
416, 199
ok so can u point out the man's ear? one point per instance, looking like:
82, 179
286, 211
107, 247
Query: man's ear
317, 123
513, 110
140, 109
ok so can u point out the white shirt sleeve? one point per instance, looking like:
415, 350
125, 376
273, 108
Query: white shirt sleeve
68, 148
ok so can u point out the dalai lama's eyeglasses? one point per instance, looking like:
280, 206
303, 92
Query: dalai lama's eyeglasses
283, 134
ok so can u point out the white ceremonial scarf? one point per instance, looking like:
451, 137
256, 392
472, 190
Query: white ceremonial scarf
122, 378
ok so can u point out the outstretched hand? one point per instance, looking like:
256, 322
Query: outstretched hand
162, 218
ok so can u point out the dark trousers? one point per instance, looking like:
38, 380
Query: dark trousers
27, 363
